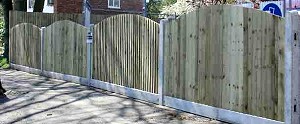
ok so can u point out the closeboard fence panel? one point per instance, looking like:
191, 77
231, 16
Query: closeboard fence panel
25, 45
45, 19
125, 52
228, 57
64, 49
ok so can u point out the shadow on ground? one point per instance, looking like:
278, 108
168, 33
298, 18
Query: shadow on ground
35, 99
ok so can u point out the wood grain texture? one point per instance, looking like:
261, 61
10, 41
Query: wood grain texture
65, 48
25, 45
125, 52
46, 19
228, 59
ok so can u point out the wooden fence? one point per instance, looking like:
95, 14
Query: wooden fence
25, 45
228, 57
64, 49
45, 19
126, 52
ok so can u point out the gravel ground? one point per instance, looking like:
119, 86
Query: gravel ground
36, 99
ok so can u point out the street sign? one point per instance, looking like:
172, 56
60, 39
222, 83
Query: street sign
273, 8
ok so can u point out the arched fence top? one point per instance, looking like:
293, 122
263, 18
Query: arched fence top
63, 22
24, 24
225, 10
126, 16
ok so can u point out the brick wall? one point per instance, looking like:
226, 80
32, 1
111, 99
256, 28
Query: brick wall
98, 6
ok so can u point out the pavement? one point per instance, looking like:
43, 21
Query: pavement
33, 99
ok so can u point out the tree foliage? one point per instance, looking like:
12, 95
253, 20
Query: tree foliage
7, 6
155, 6
185, 6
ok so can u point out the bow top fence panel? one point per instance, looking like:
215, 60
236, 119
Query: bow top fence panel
24, 45
125, 52
45, 19
64, 48
228, 57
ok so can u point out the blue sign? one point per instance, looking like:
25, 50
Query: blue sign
273, 8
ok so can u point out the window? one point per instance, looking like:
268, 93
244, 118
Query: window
31, 3
50, 2
114, 4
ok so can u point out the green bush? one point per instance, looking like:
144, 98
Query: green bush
4, 63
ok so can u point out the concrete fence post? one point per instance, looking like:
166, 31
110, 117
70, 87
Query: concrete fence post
42, 47
162, 36
89, 54
292, 73
161, 62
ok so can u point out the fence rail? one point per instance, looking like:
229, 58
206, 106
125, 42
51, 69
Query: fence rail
217, 61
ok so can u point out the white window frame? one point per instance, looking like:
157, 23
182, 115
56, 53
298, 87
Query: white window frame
113, 7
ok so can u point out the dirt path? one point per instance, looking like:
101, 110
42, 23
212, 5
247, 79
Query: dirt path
35, 99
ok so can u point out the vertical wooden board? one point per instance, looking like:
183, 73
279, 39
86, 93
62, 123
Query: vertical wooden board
136, 51
141, 38
166, 59
130, 52
214, 53
226, 57
83, 41
259, 62
182, 55
191, 55
250, 61
97, 45
207, 99
279, 58
238, 26
105, 52
219, 70
156, 35
272, 93
146, 66
263, 81
233, 75
255, 61
200, 62
246, 43
280, 42
266, 78
109, 50
134, 46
